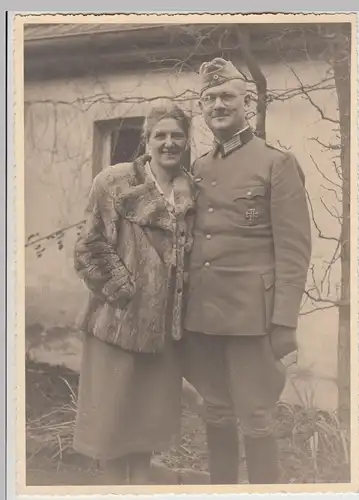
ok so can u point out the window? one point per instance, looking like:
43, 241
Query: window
116, 141
126, 143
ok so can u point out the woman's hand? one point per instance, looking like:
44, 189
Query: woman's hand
123, 298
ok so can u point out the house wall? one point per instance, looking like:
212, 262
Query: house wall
59, 129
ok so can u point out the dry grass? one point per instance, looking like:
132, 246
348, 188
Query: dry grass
313, 447
53, 431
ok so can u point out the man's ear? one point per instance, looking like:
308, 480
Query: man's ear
247, 100
200, 106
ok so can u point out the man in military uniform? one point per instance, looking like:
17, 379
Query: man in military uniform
247, 273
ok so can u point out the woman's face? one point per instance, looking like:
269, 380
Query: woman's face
167, 143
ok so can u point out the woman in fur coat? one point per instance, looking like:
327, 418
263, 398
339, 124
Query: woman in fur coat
132, 257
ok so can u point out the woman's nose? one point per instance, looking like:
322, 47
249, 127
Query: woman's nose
168, 141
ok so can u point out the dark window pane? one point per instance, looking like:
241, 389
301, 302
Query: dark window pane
125, 145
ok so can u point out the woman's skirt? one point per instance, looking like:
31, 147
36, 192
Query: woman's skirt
127, 402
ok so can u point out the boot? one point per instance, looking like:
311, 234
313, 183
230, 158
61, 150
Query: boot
223, 451
262, 460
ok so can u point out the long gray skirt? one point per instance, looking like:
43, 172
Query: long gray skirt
127, 402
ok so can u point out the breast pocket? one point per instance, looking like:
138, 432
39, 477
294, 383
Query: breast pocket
251, 205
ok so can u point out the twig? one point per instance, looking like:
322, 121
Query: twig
335, 147
323, 175
55, 233
331, 263
318, 108
335, 216
319, 231
332, 191
320, 299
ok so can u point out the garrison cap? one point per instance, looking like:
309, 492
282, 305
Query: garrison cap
216, 72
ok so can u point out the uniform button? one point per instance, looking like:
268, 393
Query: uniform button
249, 193
206, 264
208, 236
210, 210
214, 183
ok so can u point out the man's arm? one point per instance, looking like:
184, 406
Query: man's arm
292, 239
96, 260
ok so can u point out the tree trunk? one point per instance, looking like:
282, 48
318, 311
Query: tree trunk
341, 66
259, 80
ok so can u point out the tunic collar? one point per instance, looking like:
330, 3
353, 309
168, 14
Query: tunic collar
235, 142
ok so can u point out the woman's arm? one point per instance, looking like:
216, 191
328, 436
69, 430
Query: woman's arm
96, 259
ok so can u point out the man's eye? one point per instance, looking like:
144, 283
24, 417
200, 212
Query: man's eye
227, 97
160, 136
208, 98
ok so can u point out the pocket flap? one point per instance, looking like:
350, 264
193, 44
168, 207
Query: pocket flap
268, 280
249, 192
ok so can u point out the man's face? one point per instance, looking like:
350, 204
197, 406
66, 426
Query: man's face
223, 108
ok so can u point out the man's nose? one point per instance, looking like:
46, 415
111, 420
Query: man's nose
218, 103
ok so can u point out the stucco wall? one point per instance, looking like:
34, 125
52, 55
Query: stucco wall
59, 118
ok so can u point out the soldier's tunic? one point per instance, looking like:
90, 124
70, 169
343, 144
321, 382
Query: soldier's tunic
248, 269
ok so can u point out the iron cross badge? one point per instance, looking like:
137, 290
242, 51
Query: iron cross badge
251, 214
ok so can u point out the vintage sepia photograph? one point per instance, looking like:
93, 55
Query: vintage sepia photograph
190, 277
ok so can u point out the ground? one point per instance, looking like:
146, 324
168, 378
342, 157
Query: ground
48, 410
312, 448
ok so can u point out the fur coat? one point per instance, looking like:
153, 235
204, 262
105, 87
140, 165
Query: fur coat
133, 245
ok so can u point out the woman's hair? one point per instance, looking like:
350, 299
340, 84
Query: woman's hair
160, 112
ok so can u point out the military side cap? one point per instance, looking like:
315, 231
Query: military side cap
216, 72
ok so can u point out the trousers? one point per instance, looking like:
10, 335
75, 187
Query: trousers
237, 376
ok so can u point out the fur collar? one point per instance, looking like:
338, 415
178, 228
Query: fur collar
140, 202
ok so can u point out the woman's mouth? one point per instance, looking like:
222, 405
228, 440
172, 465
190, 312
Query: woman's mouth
170, 153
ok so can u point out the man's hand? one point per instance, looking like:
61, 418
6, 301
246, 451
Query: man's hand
283, 340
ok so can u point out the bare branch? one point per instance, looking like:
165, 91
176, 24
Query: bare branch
319, 231
335, 147
314, 281
320, 299
315, 309
331, 190
286, 94
308, 96
323, 174
335, 216
338, 168
102, 98
328, 270
31, 241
